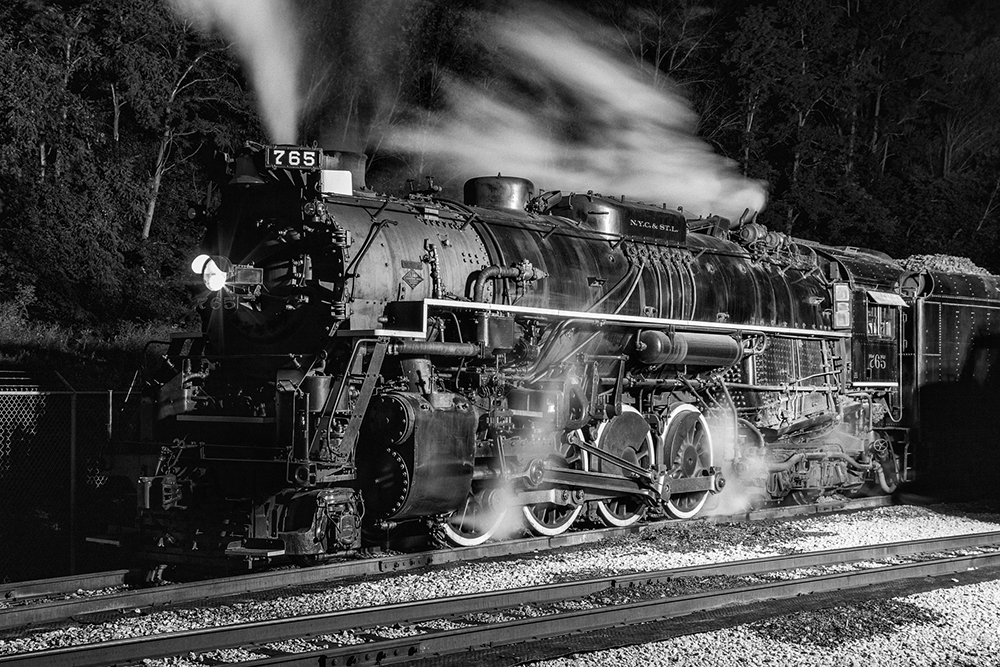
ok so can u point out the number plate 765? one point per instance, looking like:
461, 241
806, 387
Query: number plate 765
292, 158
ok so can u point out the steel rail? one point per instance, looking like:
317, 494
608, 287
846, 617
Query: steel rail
263, 632
398, 651
69, 584
174, 594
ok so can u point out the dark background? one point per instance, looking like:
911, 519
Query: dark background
873, 122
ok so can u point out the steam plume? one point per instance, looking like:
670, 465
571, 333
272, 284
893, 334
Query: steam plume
738, 495
263, 32
591, 120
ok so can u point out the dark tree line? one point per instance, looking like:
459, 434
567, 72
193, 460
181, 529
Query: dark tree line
106, 109
874, 122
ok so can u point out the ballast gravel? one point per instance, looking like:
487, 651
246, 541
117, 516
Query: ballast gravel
949, 627
950, 617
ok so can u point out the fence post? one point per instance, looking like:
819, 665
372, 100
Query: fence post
111, 414
72, 483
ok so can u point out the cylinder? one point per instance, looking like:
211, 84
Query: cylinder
318, 388
692, 349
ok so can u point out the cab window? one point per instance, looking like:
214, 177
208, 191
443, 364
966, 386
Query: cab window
881, 322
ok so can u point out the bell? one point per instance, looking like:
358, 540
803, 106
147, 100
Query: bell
245, 173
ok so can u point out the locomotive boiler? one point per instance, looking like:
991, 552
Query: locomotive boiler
520, 360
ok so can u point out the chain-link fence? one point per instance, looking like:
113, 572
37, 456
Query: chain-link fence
54, 494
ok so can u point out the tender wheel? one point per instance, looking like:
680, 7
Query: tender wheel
548, 519
687, 450
626, 510
477, 521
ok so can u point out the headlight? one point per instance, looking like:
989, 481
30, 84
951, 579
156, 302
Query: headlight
214, 271
198, 265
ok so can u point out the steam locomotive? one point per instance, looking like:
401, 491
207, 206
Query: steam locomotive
524, 360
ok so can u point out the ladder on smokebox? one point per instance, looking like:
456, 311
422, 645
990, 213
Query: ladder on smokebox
361, 378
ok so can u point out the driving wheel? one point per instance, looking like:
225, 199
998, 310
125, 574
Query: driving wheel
628, 437
687, 449
477, 520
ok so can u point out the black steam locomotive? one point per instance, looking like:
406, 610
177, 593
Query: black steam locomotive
372, 366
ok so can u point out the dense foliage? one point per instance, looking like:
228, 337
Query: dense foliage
105, 107
874, 122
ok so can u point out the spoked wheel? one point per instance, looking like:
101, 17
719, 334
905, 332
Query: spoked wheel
628, 437
687, 450
550, 519
476, 521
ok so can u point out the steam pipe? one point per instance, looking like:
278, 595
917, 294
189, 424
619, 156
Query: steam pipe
490, 273
851, 463
435, 349
883, 482
795, 459
523, 271
811, 389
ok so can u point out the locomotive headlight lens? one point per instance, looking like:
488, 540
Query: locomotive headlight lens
198, 265
213, 270
214, 277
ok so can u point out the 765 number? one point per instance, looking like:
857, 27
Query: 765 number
292, 158
877, 362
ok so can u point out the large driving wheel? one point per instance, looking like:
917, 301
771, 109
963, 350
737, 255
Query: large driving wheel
687, 451
548, 519
627, 436
476, 521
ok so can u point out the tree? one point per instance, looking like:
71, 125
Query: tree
102, 105
183, 90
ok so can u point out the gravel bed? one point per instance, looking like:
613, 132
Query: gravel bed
676, 545
80, 593
946, 627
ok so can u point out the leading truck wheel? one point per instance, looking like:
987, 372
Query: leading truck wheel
687, 449
549, 519
639, 450
476, 521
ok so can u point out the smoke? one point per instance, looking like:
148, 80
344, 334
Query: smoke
266, 40
739, 495
555, 104
566, 112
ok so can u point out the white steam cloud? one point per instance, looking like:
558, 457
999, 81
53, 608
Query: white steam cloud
264, 34
604, 127
740, 494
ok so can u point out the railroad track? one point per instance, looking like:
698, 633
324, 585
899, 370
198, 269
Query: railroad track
45, 601
454, 625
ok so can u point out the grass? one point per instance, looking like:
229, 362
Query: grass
87, 358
